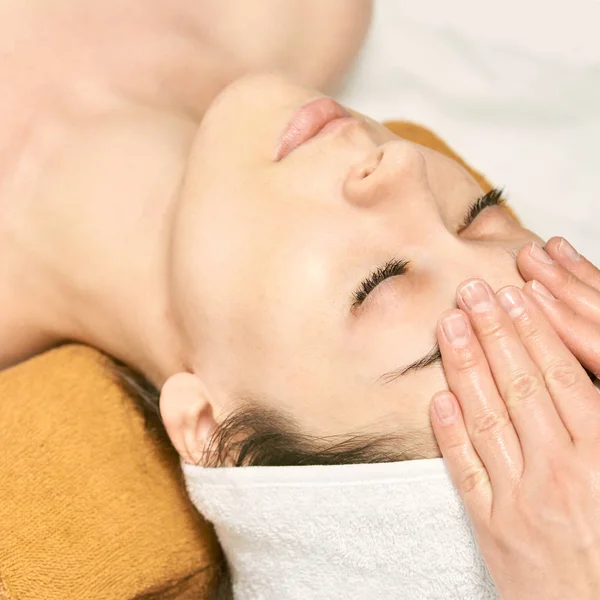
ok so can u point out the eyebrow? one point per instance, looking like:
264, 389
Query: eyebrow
433, 357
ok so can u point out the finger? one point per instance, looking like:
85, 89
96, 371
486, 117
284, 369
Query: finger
518, 379
467, 472
562, 252
574, 396
580, 336
534, 263
487, 420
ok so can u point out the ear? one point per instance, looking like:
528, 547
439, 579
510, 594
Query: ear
186, 411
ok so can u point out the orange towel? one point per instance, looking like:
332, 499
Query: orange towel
92, 505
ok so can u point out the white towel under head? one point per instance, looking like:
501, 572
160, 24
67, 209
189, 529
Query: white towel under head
349, 532
366, 532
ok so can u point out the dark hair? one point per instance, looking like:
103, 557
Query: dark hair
254, 435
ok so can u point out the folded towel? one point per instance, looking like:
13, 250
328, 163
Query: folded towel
92, 506
369, 531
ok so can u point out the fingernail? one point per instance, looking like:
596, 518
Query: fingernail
456, 329
538, 253
511, 300
541, 290
445, 408
476, 296
567, 250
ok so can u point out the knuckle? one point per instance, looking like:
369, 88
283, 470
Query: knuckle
562, 483
454, 447
488, 423
489, 326
528, 328
465, 359
522, 388
473, 478
561, 375
559, 470
567, 284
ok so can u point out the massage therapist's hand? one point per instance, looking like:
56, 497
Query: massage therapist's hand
573, 305
520, 433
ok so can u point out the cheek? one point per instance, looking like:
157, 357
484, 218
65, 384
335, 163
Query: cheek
397, 325
410, 397
402, 408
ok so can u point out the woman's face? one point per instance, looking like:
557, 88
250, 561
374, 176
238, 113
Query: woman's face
270, 255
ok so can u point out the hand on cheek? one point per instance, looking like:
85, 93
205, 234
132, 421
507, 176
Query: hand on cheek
519, 432
566, 286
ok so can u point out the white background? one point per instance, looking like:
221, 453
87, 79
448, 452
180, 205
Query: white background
512, 86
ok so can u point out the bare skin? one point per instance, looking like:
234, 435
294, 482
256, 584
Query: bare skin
519, 432
167, 234
101, 107
101, 101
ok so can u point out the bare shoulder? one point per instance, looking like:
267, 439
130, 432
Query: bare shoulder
311, 40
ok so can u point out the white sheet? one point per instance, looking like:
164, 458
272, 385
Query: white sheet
514, 87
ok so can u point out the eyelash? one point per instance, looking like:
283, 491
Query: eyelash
495, 197
390, 269
396, 267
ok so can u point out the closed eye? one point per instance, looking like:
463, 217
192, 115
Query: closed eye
495, 197
390, 269
395, 267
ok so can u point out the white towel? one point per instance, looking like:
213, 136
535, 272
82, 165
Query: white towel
350, 532
365, 532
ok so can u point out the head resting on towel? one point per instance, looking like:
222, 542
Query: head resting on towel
306, 288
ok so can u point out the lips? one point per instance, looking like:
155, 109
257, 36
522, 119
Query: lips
308, 122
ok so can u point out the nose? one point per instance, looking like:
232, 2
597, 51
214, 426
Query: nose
396, 168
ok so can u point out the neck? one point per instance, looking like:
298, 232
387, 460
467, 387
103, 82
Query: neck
116, 284
93, 239
91, 158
